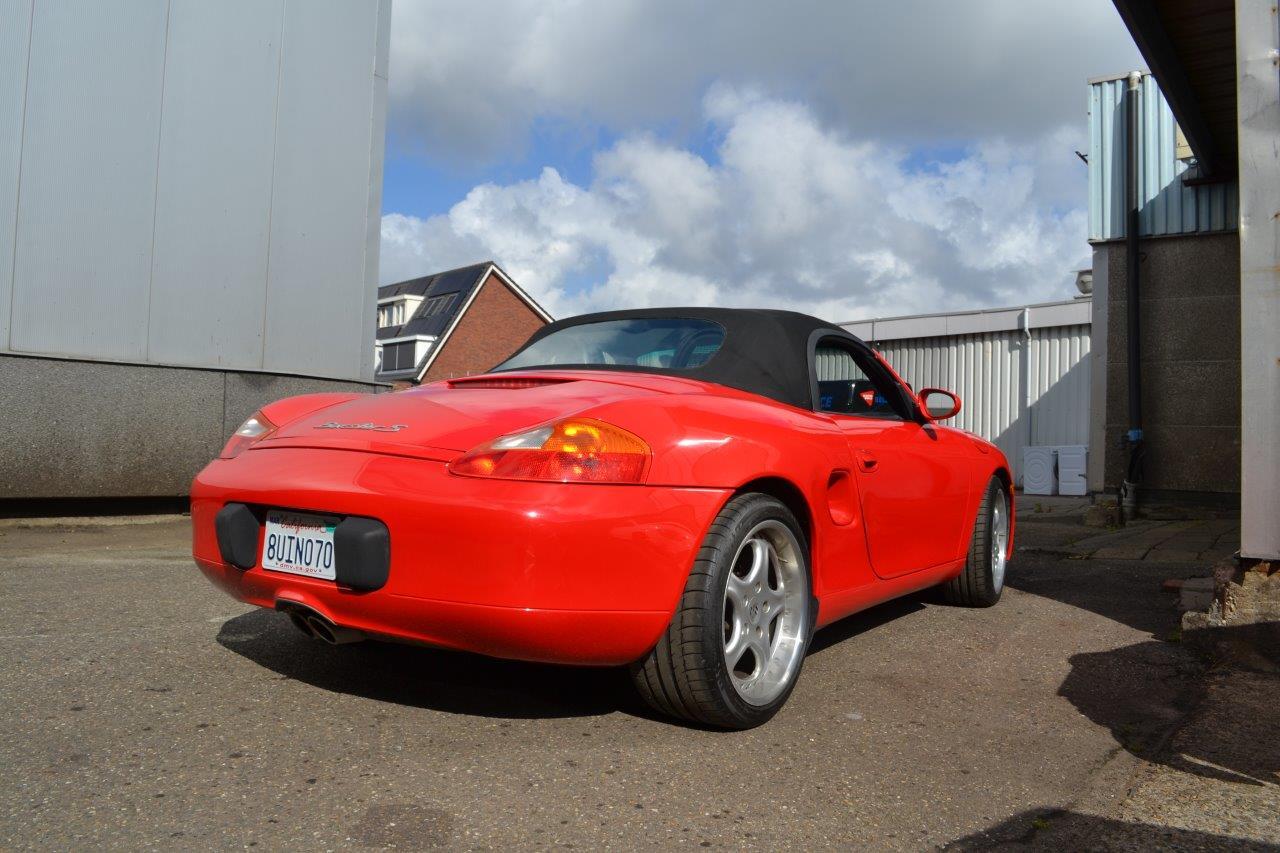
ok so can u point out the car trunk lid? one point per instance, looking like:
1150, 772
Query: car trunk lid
441, 420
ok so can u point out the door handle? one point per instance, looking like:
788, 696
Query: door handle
867, 461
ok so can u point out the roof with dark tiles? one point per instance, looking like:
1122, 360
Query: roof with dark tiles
444, 295
433, 317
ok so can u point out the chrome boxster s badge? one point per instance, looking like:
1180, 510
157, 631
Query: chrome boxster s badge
365, 426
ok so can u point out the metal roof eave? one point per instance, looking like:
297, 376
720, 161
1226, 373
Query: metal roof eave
1069, 312
1146, 25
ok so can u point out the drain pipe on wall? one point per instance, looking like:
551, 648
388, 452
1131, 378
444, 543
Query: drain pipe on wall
1133, 438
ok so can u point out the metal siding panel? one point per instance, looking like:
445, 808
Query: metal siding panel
1148, 158
1118, 135
1060, 402
1168, 205
318, 229
216, 149
1166, 202
14, 42
83, 255
1107, 135
382, 47
1094, 175
373, 211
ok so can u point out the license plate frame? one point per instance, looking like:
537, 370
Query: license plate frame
299, 543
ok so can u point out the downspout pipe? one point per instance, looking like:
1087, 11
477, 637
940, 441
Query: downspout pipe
1133, 438
1024, 374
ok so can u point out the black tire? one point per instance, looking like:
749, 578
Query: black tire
976, 585
685, 675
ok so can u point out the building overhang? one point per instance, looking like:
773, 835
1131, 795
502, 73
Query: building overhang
1190, 46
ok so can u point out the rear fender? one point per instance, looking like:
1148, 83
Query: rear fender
723, 442
728, 443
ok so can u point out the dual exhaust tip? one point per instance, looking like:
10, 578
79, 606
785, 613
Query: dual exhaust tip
318, 627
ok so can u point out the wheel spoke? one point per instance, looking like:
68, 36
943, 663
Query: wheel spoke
759, 573
738, 641
738, 590
761, 649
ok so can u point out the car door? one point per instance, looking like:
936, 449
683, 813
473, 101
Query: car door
912, 483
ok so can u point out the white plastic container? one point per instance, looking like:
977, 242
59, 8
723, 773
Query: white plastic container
1039, 471
1071, 469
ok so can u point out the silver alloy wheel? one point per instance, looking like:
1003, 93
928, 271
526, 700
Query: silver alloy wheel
766, 613
999, 539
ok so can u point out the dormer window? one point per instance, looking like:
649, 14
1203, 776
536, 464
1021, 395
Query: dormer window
392, 314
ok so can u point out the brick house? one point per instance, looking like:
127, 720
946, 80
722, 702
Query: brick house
452, 323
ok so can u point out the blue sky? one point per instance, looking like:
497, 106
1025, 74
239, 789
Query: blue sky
853, 159
419, 184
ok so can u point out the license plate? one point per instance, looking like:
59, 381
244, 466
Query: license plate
300, 544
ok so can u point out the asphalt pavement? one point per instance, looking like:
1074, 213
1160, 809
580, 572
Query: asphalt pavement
141, 708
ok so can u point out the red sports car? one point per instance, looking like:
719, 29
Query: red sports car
687, 491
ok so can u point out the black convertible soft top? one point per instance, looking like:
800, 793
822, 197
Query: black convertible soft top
764, 352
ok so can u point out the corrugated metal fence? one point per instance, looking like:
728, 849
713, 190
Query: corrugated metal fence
1018, 388
1168, 205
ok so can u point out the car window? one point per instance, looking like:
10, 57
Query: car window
667, 343
850, 383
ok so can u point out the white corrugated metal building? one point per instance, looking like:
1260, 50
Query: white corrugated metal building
1023, 373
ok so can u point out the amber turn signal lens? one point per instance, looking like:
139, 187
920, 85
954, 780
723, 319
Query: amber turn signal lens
575, 450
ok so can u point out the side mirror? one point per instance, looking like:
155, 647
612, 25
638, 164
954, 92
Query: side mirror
939, 404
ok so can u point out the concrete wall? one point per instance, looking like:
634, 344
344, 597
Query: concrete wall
193, 183
1190, 344
84, 429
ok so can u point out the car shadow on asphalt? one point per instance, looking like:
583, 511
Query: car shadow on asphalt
1127, 592
422, 677
866, 620
1063, 829
463, 683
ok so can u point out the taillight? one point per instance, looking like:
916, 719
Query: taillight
254, 429
575, 450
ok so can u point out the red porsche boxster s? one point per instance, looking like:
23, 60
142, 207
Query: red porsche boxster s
690, 492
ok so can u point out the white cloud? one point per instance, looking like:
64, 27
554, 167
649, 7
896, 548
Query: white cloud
789, 213
467, 79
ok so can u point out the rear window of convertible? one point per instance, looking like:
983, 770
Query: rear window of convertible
668, 343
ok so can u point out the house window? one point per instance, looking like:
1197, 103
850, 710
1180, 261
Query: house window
398, 357
391, 315
437, 304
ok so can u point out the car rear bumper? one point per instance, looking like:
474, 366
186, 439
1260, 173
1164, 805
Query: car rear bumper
565, 573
